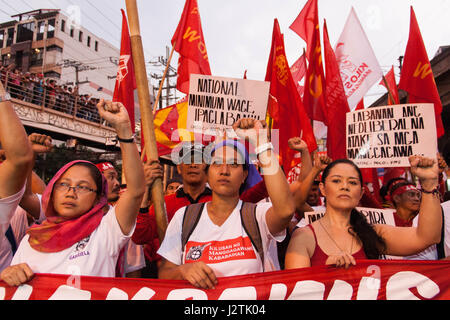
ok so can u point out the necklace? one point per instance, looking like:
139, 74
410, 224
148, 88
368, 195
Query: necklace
335, 243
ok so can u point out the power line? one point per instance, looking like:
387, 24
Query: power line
27, 4
95, 22
9, 15
107, 18
117, 27
14, 9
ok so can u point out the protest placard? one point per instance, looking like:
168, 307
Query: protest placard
373, 215
386, 136
215, 103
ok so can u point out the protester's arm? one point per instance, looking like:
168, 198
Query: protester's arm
199, 274
297, 144
408, 241
17, 274
19, 156
30, 202
283, 207
299, 249
127, 206
301, 193
146, 229
442, 166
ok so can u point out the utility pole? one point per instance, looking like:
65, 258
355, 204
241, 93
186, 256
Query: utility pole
171, 73
78, 66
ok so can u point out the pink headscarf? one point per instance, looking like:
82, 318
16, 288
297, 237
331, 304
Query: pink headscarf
57, 233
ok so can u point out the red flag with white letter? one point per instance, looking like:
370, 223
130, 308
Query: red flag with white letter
188, 41
125, 81
417, 77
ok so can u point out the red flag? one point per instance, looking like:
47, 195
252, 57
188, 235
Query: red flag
298, 71
391, 87
336, 102
417, 77
285, 103
305, 23
126, 81
360, 105
314, 95
188, 41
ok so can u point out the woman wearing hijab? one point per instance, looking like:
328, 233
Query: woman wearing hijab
219, 245
343, 235
82, 234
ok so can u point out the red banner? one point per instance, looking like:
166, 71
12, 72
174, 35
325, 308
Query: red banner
368, 280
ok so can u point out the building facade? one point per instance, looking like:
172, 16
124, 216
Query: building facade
47, 42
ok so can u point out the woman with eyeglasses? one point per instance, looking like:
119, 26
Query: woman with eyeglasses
82, 235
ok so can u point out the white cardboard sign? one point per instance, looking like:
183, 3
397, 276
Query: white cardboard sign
386, 136
215, 103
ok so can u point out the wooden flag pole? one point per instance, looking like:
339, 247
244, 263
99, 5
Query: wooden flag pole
155, 106
148, 130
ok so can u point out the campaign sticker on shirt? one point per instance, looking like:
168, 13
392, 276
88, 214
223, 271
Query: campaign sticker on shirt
219, 251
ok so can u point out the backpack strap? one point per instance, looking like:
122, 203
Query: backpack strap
190, 220
251, 227
440, 245
12, 240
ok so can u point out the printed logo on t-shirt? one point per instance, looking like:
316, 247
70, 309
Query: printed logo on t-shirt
219, 251
79, 249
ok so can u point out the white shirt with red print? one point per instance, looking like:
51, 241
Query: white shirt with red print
227, 249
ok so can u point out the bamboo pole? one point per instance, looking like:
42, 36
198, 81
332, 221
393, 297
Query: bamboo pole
146, 113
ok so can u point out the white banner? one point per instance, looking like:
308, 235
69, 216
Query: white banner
386, 136
373, 215
215, 103
357, 62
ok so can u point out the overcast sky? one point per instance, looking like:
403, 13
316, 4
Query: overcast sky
238, 33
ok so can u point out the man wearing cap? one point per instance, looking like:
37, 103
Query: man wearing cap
131, 259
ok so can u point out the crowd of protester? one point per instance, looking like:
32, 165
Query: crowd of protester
222, 201
36, 89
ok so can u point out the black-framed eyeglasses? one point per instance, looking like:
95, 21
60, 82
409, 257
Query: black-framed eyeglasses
65, 187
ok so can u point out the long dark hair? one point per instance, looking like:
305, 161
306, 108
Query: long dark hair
373, 245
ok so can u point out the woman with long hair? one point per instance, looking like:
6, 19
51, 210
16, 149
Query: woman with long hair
82, 234
343, 235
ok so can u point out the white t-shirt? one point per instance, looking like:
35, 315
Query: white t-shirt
8, 208
227, 249
96, 255
134, 257
431, 253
